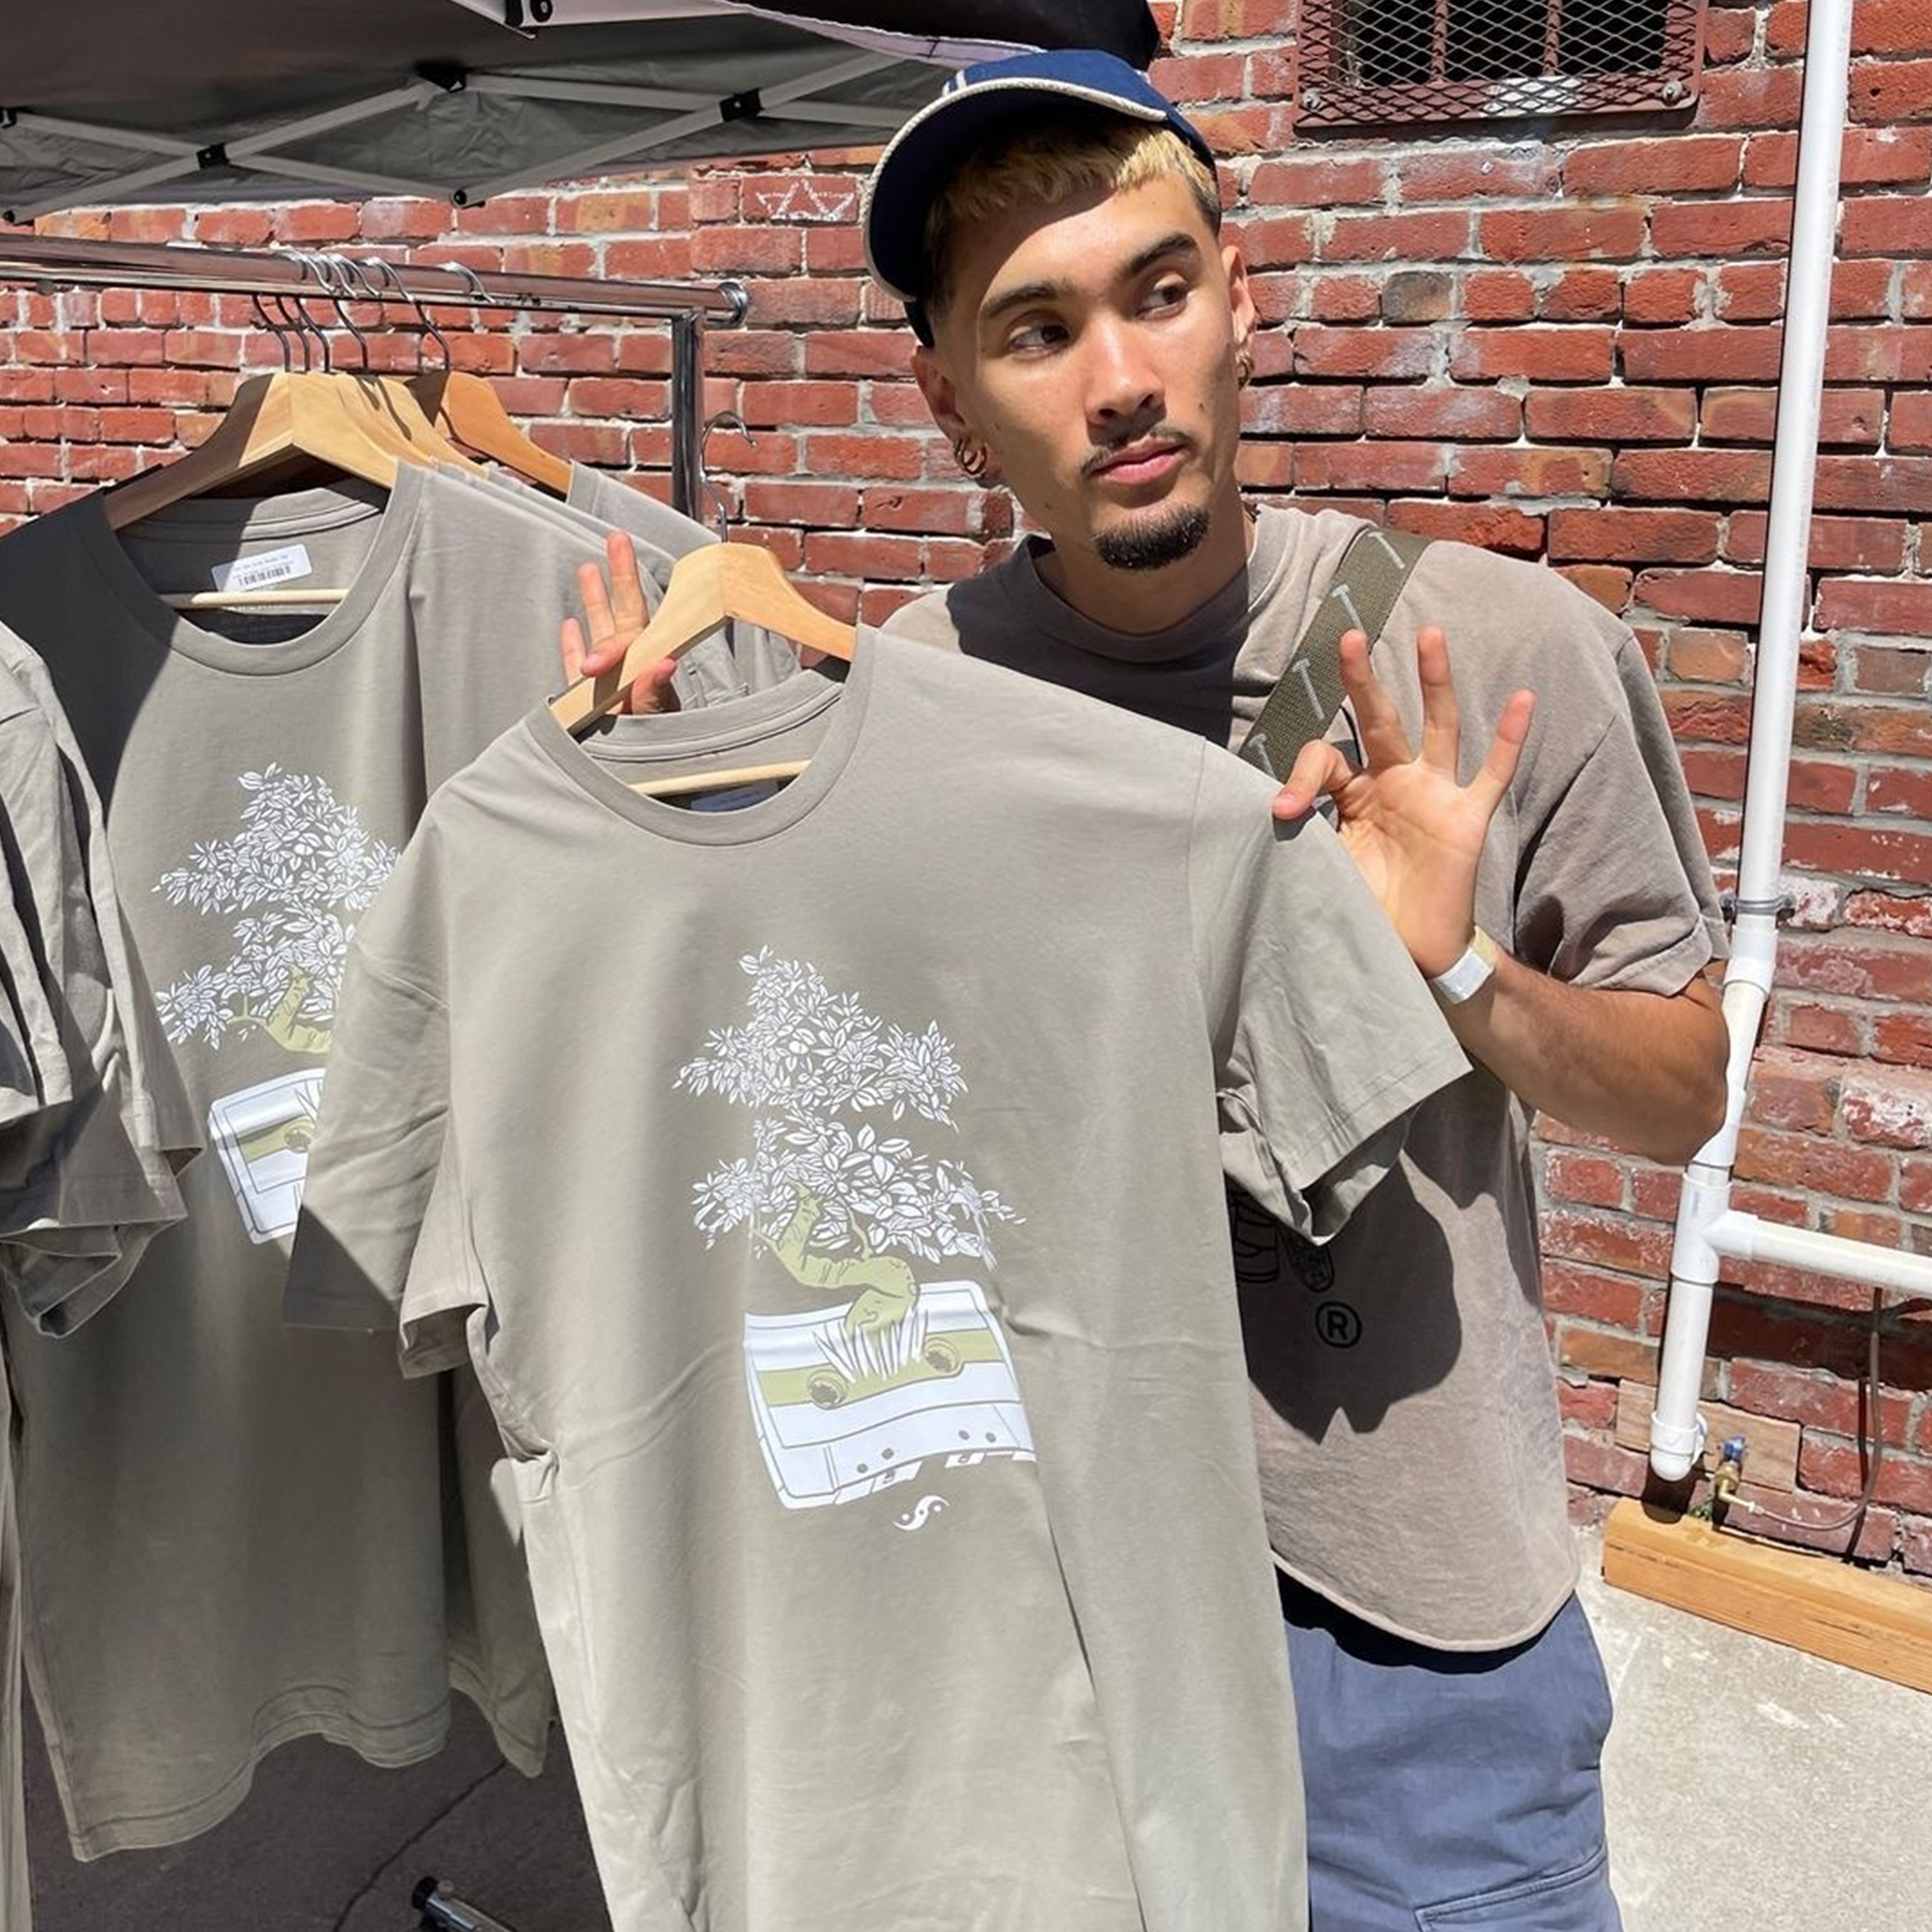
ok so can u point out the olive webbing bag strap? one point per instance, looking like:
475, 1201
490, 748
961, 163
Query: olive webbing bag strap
1360, 596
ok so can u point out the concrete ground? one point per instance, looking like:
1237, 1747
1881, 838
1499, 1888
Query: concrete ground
1753, 1788
1750, 1789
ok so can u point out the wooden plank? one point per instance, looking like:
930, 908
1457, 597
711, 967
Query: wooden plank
1771, 1462
1880, 1624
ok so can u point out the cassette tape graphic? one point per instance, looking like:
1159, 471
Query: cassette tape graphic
841, 1416
263, 1134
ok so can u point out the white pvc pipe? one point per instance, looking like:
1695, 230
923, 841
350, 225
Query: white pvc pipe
1677, 1430
1748, 1239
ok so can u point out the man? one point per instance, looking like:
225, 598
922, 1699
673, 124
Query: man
1053, 224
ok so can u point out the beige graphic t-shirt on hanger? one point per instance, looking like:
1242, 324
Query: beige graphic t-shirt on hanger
236, 1532
872, 1372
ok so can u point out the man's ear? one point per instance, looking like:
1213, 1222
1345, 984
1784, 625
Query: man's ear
970, 449
942, 398
1240, 297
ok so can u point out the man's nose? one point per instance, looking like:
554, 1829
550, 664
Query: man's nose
1122, 384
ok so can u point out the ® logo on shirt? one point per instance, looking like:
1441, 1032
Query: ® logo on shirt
856, 1395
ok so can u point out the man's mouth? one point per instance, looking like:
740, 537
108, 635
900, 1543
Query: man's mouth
1144, 461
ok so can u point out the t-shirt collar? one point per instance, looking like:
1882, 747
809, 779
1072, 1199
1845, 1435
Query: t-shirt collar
1226, 614
625, 748
292, 516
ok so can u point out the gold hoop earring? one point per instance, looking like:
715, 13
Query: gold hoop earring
1244, 366
972, 456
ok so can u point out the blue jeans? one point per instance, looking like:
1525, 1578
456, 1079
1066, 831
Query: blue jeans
1451, 1791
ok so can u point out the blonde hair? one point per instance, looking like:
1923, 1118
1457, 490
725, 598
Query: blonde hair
1040, 167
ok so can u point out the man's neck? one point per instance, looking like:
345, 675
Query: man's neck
1138, 603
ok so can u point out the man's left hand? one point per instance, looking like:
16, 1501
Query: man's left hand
1414, 830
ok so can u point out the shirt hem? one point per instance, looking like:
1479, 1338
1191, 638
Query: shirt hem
298, 1715
1665, 973
1507, 1639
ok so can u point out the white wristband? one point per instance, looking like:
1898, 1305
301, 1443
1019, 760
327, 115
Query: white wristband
1470, 973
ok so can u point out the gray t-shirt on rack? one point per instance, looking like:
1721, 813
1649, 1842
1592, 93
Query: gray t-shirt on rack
88, 1180
882, 1430
1407, 1359
236, 1532
753, 658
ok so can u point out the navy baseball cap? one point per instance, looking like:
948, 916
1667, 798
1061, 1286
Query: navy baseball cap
976, 101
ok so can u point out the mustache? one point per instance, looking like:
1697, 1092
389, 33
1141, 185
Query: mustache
1160, 432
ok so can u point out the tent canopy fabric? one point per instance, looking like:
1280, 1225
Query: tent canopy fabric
222, 101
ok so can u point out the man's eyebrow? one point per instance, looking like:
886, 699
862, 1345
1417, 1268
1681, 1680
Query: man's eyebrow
1019, 298
1177, 243
1180, 242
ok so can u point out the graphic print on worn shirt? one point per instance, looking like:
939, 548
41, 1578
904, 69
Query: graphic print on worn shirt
857, 1397
291, 882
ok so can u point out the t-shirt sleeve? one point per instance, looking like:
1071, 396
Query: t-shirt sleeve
1613, 887
382, 1192
1325, 1037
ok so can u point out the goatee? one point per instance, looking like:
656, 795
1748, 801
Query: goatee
1152, 543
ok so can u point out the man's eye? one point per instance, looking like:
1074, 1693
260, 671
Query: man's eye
1037, 335
1167, 296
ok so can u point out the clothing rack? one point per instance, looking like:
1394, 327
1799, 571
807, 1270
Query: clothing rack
50, 260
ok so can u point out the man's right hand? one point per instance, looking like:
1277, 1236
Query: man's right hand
614, 615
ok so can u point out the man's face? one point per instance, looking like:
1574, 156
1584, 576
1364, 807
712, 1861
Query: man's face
1091, 346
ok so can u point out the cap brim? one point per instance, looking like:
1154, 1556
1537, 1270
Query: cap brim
922, 155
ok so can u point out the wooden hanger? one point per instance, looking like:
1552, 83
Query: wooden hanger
471, 412
709, 588
272, 419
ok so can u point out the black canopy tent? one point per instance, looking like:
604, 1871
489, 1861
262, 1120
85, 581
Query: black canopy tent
118, 101
225, 100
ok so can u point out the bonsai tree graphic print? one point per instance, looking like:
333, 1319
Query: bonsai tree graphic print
894, 1369
843, 1203
293, 882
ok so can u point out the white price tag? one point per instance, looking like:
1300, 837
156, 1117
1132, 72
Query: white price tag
258, 573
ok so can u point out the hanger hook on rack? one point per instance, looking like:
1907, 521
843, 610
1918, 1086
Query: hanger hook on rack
479, 295
309, 266
343, 285
296, 325
354, 272
279, 330
426, 329
724, 419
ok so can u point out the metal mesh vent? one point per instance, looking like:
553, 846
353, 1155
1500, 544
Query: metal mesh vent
1459, 60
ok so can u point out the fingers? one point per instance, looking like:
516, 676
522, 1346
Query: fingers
1441, 721
1378, 722
1320, 769
652, 692
1498, 768
570, 647
599, 623
627, 589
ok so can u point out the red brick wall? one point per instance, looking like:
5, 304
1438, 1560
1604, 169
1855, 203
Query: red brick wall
1562, 346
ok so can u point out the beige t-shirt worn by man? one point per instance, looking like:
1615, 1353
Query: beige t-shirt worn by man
1404, 1405
882, 1435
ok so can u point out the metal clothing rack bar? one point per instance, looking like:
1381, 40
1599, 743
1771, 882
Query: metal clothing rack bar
48, 260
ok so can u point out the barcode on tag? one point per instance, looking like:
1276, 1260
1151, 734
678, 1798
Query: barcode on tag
256, 573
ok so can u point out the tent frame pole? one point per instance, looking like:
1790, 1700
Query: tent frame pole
51, 260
